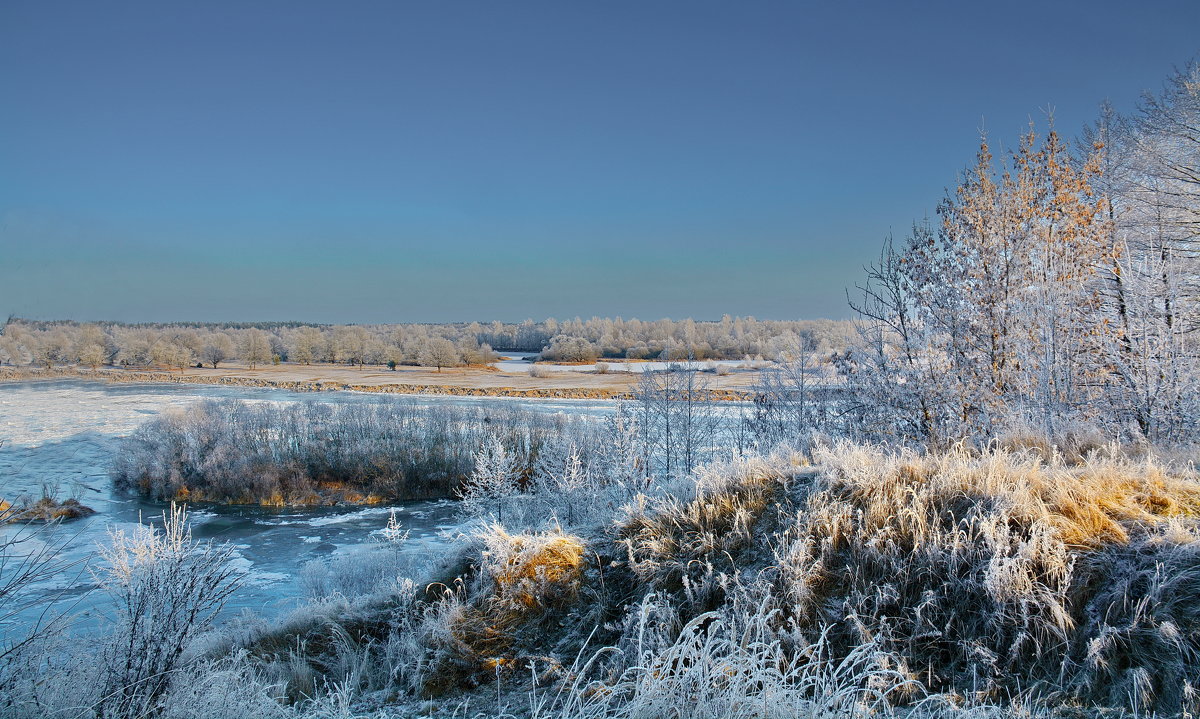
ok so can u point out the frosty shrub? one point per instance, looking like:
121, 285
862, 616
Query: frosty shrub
314, 453
166, 590
34, 646
494, 481
28, 557
540, 372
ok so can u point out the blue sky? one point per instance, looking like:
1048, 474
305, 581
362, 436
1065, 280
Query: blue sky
438, 161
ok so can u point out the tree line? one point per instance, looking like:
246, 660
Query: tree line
27, 342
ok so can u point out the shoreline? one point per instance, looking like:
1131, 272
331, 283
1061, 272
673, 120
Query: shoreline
116, 375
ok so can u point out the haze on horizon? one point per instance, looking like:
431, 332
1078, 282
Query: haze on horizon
405, 162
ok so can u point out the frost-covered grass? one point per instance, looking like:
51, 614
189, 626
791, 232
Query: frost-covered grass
852, 581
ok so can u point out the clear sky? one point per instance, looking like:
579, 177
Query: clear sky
444, 160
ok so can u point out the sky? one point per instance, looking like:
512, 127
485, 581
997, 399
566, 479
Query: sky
454, 161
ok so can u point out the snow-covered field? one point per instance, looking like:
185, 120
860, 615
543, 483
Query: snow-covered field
60, 437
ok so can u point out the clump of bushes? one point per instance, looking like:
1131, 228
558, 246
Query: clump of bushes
308, 453
565, 348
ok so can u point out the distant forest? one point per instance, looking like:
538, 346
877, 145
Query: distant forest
50, 343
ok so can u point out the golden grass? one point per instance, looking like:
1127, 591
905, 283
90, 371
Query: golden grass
523, 575
46, 509
532, 570
1087, 505
997, 570
718, 521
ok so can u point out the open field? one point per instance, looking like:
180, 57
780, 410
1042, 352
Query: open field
478, 381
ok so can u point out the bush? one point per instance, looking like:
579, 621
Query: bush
541, 372
166, 590
313, 453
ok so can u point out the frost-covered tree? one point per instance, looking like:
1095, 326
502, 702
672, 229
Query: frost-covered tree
307, 345
1151, 180
440, 352
677, 420
351, 345
50, 348
255, 347
790, 399
92, 355
564, 482
494, 480
996, 316
171, 354
217, 348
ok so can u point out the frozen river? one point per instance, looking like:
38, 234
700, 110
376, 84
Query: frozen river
522, 361
60, 437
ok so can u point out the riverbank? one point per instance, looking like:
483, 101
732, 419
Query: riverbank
467, 382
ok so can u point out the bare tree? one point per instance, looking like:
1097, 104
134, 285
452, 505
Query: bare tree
27, 558
217, 348
307, 346
790, 398
440, 352
351, 344
255, 348
677, 417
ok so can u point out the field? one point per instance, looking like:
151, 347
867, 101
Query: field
482, 381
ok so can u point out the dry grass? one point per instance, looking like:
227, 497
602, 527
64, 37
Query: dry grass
664, 539
472, 629
533, 571
1087, 505
45, 509
983, 573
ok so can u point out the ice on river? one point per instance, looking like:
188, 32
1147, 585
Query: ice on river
522, 361
60, 436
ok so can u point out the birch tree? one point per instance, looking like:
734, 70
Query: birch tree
1153, 185
997, 316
